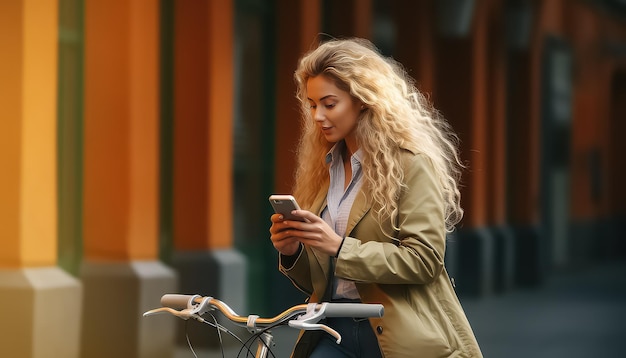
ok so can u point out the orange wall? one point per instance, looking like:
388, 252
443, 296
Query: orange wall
203, 124
28, 210
11, 92
121, 130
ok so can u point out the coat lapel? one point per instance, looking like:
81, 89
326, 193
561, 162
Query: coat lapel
360, 207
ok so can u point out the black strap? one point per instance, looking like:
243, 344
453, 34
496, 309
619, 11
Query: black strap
328, 293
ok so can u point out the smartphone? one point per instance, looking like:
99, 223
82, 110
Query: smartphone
285, 204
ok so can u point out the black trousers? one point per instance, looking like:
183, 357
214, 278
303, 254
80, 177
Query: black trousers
357, 340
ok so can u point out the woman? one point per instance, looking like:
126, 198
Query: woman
377, 174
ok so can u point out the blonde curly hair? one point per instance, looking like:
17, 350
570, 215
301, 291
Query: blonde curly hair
398, 117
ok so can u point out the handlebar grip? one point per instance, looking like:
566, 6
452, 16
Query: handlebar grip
355, 310
174, 300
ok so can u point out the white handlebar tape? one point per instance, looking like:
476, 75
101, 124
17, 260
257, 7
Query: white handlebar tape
173, 300
355, 310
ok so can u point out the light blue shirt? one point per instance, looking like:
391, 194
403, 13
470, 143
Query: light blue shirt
338, 205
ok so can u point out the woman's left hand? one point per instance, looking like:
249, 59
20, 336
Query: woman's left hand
315, 233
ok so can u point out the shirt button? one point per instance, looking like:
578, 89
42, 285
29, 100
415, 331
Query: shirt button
379, 329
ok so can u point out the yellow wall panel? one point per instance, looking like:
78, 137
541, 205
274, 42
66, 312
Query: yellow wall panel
38, 218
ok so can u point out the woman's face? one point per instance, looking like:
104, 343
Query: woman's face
335, 111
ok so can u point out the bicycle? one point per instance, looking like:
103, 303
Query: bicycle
302, 316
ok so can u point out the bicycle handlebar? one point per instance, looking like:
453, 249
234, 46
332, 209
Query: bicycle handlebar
303, 316
175, 301
356, 310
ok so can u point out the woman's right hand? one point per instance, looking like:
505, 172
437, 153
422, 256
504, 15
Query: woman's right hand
283, 241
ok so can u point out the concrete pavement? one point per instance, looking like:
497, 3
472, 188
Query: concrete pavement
575, 314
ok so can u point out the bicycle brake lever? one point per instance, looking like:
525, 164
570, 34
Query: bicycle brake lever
312, 315
193, 310
184, 314
199, 308
321, 327
308, 321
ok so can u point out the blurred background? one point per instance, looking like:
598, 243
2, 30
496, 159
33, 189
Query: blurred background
140, 140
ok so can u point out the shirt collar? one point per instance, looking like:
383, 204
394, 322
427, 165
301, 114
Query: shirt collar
335, 153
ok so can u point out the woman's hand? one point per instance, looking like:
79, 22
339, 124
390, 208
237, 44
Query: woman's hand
281, 236
286, 235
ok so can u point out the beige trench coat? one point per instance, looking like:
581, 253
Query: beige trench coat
423, 317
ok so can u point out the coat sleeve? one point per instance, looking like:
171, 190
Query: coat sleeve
297, 270
415, 254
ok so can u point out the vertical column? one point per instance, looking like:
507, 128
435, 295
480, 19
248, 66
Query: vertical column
523, 140
203, 155
297, 28
350, 18
415, 36
461, 94
616, 171
586, 237
496, 179
122, 277
70, 135
36, 296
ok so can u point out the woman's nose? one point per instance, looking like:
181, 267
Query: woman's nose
318, 115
